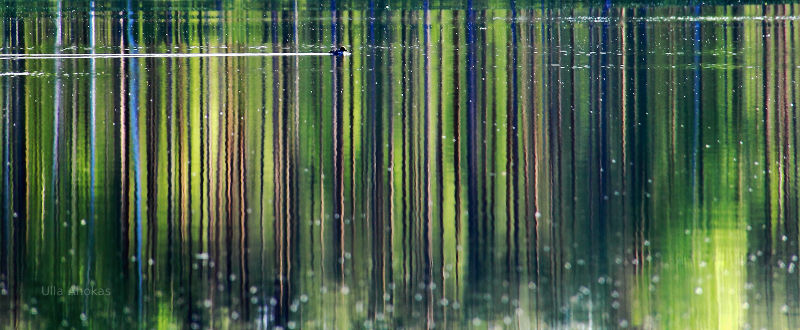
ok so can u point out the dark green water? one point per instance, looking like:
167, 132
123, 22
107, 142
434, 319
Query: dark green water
509, 167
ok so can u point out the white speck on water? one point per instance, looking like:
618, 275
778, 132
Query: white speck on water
359, 307
476, 321
584, 291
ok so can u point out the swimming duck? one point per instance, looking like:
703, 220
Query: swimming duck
339, 52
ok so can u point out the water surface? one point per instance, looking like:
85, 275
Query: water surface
585, 166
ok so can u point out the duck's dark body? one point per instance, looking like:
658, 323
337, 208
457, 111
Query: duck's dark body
339, 52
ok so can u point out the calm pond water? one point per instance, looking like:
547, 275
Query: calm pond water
502, 165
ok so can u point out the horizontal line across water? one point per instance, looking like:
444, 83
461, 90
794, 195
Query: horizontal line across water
163, 55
